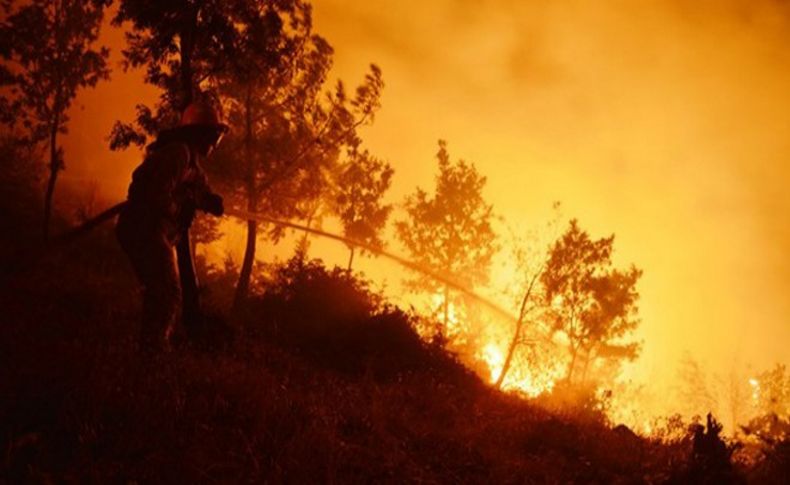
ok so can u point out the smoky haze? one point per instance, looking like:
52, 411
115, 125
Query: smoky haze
662, 122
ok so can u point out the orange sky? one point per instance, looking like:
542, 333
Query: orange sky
664, 122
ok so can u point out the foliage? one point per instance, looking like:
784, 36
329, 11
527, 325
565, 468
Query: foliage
49, 54
710, 460
579, 401
83, 406
204, 229
773, 465
669, 429
332, 317
590, 303
768, 432
450, 231
769, 429
288, 130
44, 72
181, 44
271, 160
360, 185
773, 391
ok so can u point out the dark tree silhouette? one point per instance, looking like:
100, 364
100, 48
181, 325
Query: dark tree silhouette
710, 460
181, 44
450, 232
289, 130
771, 424
592, 304
49, 51
359, 187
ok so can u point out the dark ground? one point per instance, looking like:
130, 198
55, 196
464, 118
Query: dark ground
321, 384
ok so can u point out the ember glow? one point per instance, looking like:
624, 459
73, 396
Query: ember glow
522, 377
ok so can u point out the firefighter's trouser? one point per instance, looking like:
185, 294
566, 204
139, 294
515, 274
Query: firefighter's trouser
154, 261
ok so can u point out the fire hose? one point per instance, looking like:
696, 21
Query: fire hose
379, 252
113, 211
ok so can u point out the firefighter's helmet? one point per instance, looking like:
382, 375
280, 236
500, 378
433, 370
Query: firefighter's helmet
202, 114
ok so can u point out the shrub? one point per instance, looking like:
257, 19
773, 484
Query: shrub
332, 317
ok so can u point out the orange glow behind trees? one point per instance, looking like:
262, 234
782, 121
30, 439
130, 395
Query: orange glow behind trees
44, 73
664, 124
590, 303
450, 231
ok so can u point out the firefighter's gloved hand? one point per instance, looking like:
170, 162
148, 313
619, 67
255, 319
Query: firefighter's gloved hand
213, 205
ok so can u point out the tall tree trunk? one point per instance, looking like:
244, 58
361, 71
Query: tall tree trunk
55, 166
517, 334
350, 259
243, 285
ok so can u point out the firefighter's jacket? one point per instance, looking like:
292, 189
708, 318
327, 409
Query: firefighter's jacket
165, 191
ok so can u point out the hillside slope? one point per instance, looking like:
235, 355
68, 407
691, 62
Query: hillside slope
322, 383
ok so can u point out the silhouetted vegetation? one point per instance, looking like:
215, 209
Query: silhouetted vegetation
181, 45
333, 318
450, 232
589, 302
44, 72
359, 187
304, 373
329, 383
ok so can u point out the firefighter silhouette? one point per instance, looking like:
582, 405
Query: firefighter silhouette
153, 226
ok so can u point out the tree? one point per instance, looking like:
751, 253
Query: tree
695, 394
530, 262
771, 391
48, 46
181, 44
290, 129
360, 184
587, 301
769, 427
450, 232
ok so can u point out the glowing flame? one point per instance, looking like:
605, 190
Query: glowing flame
755, 389
521, 377
493, 356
